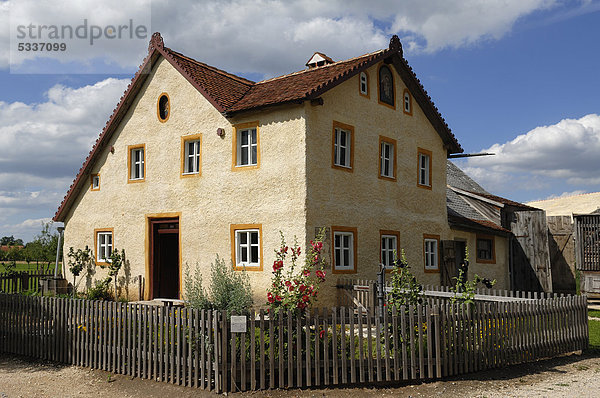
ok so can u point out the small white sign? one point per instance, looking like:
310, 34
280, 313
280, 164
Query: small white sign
238, 324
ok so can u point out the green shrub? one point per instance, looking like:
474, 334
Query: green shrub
100, 291
229, 290
194, 292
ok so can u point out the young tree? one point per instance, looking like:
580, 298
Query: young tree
78, 260
116, 261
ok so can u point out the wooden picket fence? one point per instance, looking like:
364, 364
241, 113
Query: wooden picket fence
326, 347
362, 293
21, 281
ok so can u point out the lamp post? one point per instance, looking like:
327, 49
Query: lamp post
60, 232
381, 288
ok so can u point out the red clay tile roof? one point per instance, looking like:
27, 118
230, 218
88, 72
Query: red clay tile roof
224, 88
231, 94
304, 84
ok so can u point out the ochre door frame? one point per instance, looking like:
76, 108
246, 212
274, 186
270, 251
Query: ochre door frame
150, 220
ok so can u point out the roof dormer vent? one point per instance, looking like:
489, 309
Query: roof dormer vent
318, 59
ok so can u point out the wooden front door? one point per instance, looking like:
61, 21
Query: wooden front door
453, 256
164, 251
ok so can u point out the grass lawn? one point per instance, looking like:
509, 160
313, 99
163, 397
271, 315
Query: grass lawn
594, 313
594, 335
23, 266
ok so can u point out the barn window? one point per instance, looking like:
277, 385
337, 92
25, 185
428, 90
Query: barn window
485, 249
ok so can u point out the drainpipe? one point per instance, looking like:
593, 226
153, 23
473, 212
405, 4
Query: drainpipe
60, 232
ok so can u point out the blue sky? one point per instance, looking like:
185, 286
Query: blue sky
518, 78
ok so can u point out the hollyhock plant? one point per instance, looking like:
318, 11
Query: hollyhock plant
296, 288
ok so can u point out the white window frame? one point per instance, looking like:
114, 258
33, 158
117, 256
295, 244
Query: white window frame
103, 246
252, 131
364, 83
194, 155
137, 165
345, 253
407, 102
337, 148
424, 164
248, 246
387, 161
431, 252
388, 250
95, 182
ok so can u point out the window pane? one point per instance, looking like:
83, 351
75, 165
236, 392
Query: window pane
346, 262
346, 239
254, 157
254, 254
244, 254
243, 238
342, 159
342, 138
253, 137
254, 238
244, 154
244, 137
337, 240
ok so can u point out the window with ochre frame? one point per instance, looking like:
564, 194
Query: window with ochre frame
343, 247
191, 155
424, 161
163, 107
387, 158
363, 84
246, 247
342, 146
389, 248
103, 244
95, 182
136, 163
407, 102
246, 146
431, 253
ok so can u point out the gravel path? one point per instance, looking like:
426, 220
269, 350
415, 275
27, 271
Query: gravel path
572, 376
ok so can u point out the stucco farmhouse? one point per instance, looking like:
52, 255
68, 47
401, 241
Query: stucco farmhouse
195, 162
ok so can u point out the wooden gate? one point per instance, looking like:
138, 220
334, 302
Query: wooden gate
531, 257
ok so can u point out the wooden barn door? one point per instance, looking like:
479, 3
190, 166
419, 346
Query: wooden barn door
531, 255
453, 254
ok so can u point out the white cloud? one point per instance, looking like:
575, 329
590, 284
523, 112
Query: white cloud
256, 36
44, 144
560, 155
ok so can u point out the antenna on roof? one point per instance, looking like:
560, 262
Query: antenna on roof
469, 155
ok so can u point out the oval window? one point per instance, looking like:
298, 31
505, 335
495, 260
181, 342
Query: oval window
163, 107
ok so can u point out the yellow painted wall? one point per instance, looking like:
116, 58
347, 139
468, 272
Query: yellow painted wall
294, 189
360, 199
498, 271
272, 195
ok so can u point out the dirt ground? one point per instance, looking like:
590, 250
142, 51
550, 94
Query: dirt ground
571, 376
